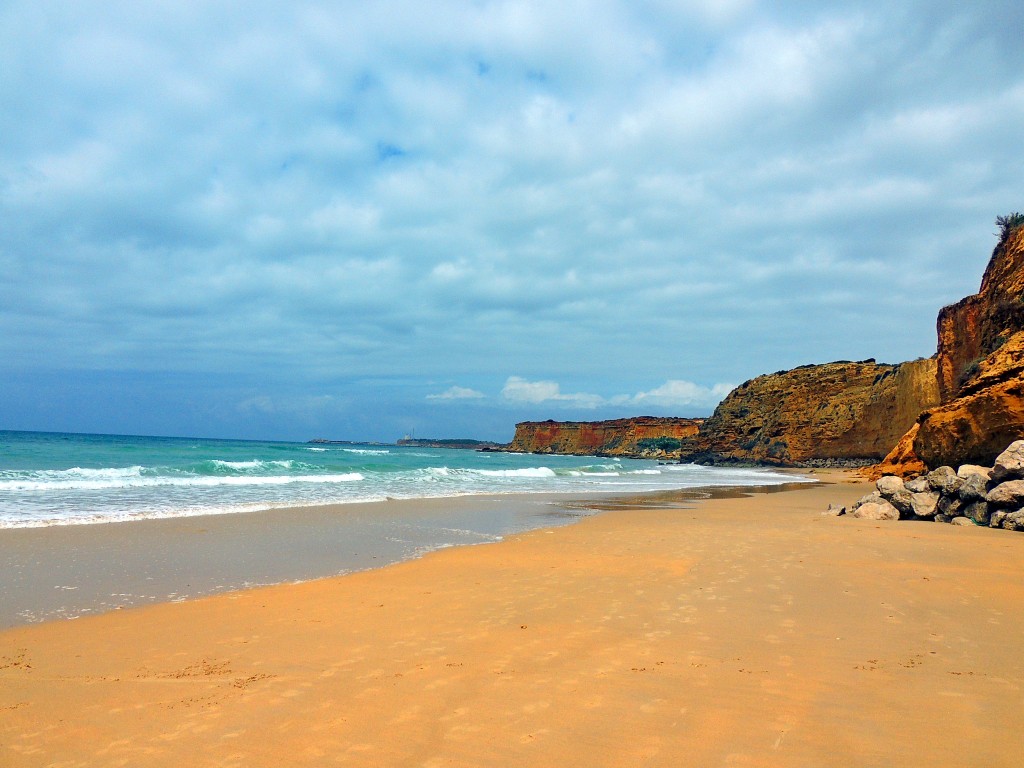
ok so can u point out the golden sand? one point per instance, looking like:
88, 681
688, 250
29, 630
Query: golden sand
739, 632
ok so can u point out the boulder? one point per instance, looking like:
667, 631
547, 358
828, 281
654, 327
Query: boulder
965, 471
978, 511
1014, 521
949, 506
1010, 463
904, 502
973, 488
1008, 494
996, 518
876, 510
872, 498
835, 510
961, 521
917, 485
942, 518
888, 486
923, 504
944, 480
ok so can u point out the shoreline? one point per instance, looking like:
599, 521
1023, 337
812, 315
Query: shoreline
64, 572
744, 631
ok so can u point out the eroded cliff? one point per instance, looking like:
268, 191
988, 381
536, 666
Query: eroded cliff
975, 327
642, 436
980, 369
964, 405
844, 411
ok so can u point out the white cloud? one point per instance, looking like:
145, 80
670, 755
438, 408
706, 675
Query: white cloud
678, 392
458, 393
519, 390
675, 393
628, 192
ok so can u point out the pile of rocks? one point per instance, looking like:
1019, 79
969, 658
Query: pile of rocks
970, 495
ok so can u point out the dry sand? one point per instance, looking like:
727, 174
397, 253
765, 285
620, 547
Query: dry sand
740, 632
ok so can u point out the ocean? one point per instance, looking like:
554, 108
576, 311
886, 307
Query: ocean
93, 523
49, 479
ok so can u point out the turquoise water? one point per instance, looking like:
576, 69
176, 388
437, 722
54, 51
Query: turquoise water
59, 479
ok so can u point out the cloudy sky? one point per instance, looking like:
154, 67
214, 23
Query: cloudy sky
357, 220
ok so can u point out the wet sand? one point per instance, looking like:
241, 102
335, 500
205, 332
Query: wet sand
68, 571
741, 631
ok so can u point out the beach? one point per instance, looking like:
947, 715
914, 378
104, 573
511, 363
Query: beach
748, 630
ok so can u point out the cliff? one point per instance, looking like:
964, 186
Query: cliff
642, 436
978, 325
987, 416
962, 406
837, 412
981, 367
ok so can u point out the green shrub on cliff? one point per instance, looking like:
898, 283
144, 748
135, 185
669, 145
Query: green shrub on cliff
1009, 224
666, 444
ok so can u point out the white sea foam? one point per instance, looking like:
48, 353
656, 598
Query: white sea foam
366, 451
525, 472
254, 464
96, 480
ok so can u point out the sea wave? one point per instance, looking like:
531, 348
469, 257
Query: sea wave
254, 464
133, 477
522, 472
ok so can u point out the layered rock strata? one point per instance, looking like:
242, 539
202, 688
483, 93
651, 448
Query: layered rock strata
642, 437
837, 413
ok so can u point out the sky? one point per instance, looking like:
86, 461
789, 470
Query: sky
361, 220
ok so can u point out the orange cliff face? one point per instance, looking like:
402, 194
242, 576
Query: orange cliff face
643, 436
987, 416
844, 412
980, 373
981, 359
965, 405
978, 325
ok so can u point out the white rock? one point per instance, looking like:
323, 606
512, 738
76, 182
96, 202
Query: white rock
971, 470
889, 485
876, 510
1008, 494
1010, 463
923, 504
